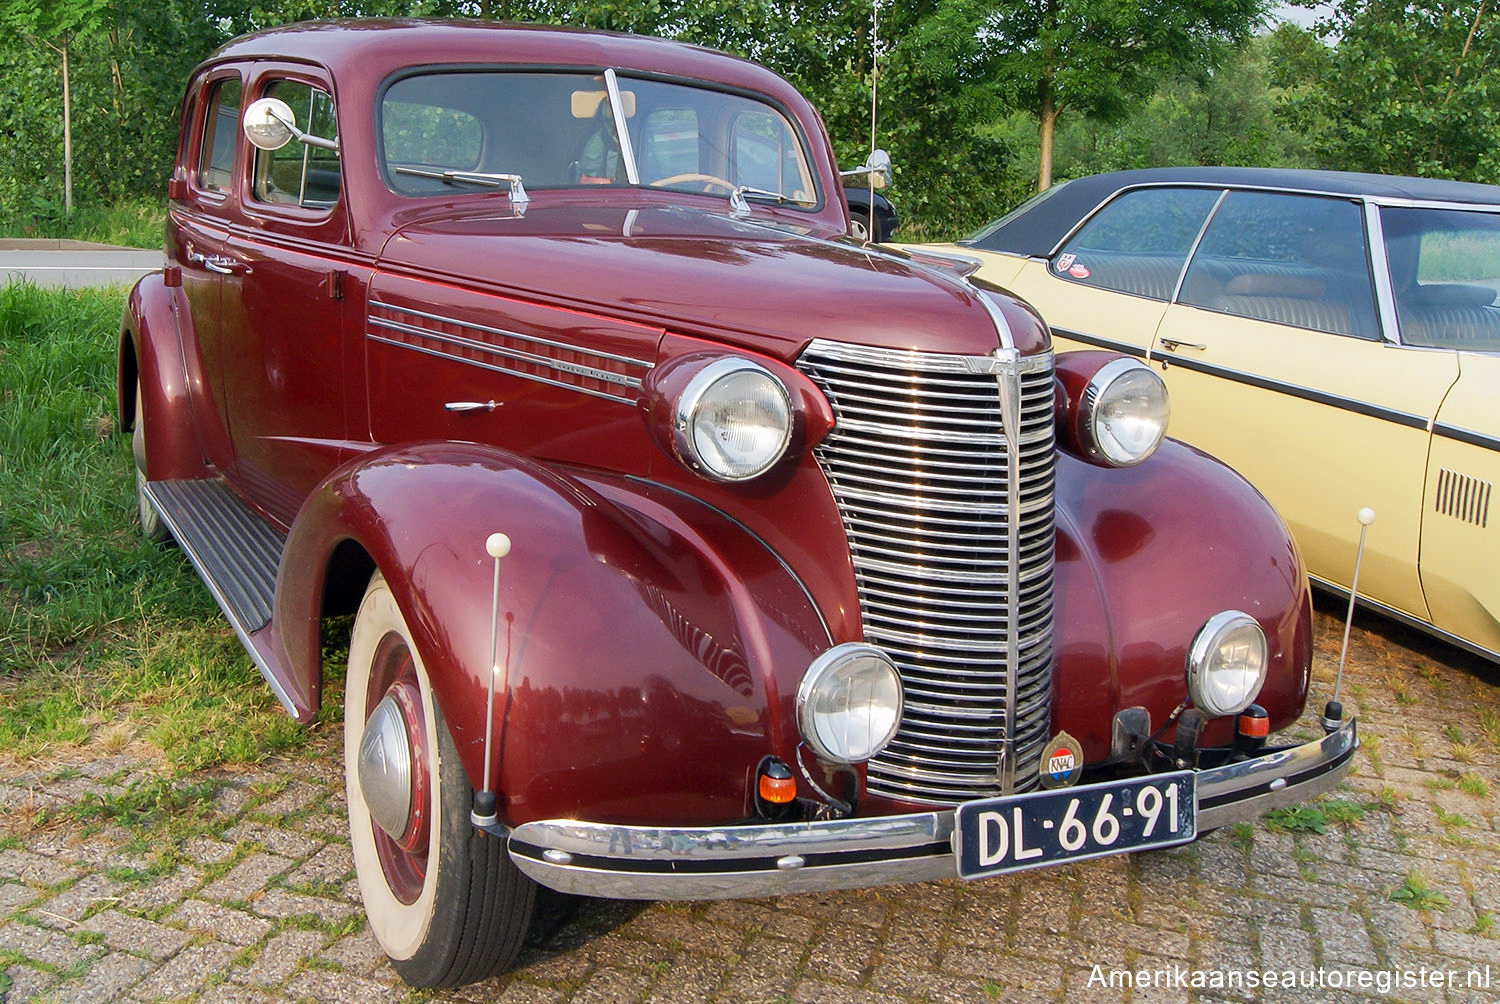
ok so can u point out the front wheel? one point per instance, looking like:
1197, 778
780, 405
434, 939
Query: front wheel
443, 899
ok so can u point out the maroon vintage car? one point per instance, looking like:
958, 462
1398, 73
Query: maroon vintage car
695, 549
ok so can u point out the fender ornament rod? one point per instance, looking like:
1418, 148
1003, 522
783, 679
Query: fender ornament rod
497, 545
1333, 711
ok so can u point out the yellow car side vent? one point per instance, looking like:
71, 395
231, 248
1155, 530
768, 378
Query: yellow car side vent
1463, 497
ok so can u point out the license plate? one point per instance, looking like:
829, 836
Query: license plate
1049, 827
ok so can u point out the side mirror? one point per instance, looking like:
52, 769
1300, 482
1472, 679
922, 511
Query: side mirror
270, 125
877, 166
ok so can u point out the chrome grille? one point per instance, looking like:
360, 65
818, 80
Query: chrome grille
920, 466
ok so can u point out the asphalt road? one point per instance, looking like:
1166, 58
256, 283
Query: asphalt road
73, 264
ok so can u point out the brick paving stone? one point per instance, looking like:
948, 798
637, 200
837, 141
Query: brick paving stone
33, 868
281, 955
287, 843
208, 851
13, 895
163, 891
234, 926
27, 984
1344, 939
341, 988
188, 972
247, 878
356, 953
280, 904
125, 933
67, 908
106, 980
39, 945
332, 864
295, 797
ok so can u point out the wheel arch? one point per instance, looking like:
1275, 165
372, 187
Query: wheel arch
645, 635
150, 357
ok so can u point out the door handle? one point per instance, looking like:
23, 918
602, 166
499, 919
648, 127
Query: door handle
1173, 344
462, 406
225, 265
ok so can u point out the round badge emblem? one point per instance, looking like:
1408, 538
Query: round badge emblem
1061, 762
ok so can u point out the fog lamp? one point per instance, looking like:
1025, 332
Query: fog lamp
1226, 664
849, 703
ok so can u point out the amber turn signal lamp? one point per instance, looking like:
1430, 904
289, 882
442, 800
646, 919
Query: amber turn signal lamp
777, 785
1253, 727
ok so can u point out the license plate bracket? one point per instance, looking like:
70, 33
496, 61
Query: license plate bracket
998, 835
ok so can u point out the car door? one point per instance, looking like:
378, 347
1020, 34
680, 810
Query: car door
1277, 364
197, 233
1445, 273
283, 316
1137, 245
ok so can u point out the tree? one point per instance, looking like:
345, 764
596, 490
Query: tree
56, 23
1102, 57
1404, 89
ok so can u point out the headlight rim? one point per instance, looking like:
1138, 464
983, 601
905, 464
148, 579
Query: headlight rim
685, 412
826, 663
1208, 639
1089, 400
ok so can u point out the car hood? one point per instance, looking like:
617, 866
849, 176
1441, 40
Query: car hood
758, 282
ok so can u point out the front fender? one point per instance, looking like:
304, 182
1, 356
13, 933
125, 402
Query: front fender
649, 649
1145, 555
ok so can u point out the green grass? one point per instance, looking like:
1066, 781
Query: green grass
137, 223
1416, 894
105, 638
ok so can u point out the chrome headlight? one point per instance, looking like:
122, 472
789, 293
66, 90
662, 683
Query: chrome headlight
849, 703
733, 420
1122, 413
1226, 664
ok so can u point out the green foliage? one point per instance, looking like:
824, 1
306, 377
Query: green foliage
128, 62
1403, 89
1416, 893
103, 636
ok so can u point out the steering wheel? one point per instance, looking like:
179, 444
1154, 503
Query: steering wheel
708, 181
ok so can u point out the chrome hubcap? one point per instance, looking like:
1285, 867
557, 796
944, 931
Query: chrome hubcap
385, 766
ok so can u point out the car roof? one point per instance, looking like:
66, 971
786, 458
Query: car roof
378, 46
1038, 226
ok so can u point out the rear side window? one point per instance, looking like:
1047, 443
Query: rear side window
1289, 259
300, 174
1139, 242
221, 130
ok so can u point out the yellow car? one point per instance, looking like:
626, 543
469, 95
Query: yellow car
1335, 337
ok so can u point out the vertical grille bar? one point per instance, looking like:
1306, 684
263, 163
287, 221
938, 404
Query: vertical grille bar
952, 553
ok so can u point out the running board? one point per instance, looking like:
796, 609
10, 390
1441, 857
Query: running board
236, 554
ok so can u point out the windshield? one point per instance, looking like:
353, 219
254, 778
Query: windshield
450, 129
1445, 270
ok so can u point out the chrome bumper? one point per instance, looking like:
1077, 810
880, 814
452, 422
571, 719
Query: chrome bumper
772, 859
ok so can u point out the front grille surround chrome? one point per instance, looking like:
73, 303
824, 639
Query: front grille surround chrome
943, 468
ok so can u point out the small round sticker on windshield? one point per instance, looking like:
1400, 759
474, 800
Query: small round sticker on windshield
1062, 762
1079, 271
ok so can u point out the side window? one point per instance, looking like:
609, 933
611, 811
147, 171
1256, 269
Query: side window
1139, 242
221, 130
1291, 259
1445, 271
299, 174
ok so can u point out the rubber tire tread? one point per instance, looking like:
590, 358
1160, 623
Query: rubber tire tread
487, 934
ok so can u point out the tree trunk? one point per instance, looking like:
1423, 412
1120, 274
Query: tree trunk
1048, 115
67, 135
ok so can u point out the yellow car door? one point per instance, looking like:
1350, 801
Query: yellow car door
1275, 358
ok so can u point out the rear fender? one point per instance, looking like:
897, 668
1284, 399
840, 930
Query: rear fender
150, 356
650, 650
1145, 555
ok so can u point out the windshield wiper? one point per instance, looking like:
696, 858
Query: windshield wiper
740, 207
518, 196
